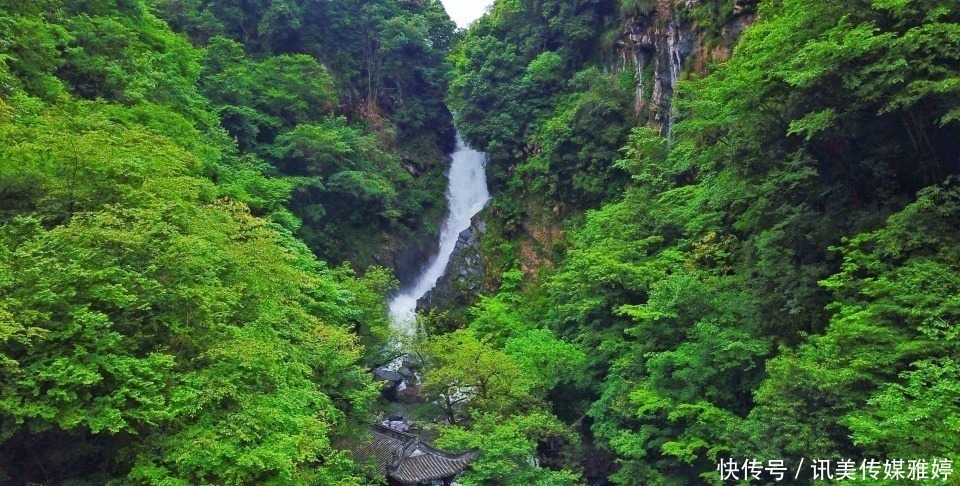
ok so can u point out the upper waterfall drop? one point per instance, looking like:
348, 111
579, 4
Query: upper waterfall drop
467, 194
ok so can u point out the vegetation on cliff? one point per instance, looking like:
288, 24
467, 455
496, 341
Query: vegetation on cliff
696, 252
773, 278
162, 320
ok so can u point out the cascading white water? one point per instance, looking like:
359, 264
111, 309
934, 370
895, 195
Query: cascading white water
674, 37
467, 194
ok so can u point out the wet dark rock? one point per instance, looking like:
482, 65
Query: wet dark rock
383, 374
663, 41
463, 280
398, 424
408, 374
408, 393
417, 252
400, 381
408, 362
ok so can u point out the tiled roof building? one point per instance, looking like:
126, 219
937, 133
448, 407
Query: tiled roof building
407, 461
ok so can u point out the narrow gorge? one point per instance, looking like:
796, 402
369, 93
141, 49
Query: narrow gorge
566, 242
467, 194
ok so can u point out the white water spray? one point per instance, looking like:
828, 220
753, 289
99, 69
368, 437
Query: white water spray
467, 194
674, 37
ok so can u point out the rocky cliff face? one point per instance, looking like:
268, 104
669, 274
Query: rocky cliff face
674, 36
409, 254
660, 40
463, 280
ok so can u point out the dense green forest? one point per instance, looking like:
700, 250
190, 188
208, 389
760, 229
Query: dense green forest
166, 169
774, 276
721, 229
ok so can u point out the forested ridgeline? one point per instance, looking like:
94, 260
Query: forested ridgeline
756, 259
721, 229
166, 169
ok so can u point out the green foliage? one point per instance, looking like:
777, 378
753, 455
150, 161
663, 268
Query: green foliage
576, 144
890, 333
494, 399
259, 100
351, 193
711, 17
174, 317
130, 58
493, 380
917, 417
513, 70
156, 311
507, 447
469, 371
634, 7
778, 280
31, 55
346, 184
389, 55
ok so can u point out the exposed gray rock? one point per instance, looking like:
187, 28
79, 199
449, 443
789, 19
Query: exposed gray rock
463, 280
408, 374
407, 393
407, 362
663, 42
383, 374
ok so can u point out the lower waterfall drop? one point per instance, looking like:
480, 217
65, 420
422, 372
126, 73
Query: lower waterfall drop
467, 194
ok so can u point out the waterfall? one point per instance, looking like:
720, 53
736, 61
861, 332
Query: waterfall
676, 62
676, 65
467, 194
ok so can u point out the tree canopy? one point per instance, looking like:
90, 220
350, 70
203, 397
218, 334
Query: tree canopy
770, 279
160, 310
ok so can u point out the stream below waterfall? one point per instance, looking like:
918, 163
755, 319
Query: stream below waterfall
467, 194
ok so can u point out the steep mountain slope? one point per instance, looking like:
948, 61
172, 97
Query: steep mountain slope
160, 320
752, 254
